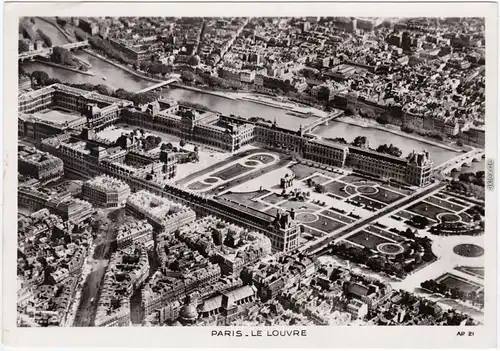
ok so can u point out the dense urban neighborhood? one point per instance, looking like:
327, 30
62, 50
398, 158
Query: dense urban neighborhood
251, 171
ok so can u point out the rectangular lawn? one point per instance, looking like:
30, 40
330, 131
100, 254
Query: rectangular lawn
335, 188
474, 271
453, 281
337, 216
299, 206
319, 179
367, 239
385, 196
273, 199
303, 171
326, 224
197, 186
247, 199
368, 202
426, 209
386, 234
352, 178
231, 171
443, 203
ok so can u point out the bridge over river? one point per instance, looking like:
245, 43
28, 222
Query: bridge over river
29, 55
464, 159
158, 85
323, 120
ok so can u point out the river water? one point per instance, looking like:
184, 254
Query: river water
378, 137
117, 78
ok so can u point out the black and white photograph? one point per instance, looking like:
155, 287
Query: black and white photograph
267, 171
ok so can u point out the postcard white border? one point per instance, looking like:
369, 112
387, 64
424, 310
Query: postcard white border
199, 337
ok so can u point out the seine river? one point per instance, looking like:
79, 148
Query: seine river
117, 78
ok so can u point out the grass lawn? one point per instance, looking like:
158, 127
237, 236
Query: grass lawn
466, 218
299, 206
306, 217
386, 234
474, 271
426, 209
453, 281
337, 216
335, 188
368, 202
231, 171
385, 196
367, 239
319, 179
247, 198
303, 171
443, 203
457, 201
197, 186
353, 178
273, 199
398, 189
326, 224
262, 158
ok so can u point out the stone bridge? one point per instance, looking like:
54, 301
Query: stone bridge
29, 55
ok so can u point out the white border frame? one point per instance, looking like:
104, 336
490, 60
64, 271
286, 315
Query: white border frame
199, 337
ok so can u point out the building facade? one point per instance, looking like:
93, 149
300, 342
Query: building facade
105, 191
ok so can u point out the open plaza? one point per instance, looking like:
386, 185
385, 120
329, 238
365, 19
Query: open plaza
207, 157
327, 200
58, 115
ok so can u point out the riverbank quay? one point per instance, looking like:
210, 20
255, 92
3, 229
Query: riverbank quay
364, 124
61, 30
126, 69
209, 92
91, 74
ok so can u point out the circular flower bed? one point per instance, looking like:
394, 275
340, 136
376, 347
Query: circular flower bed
211, 180
390, 249
251, 163
367, 190
449, 217
468, 250
306, 217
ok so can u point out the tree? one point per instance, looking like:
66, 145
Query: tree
319, 188
349, 111
324, 93
81, 35
194, 60
360, 141
376, 263
182, 143
169, 146
163, 147
383, 119
46, 39
62, 56
196, 149
390, 150
187, 76
144, 98
105, 90
40, 77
